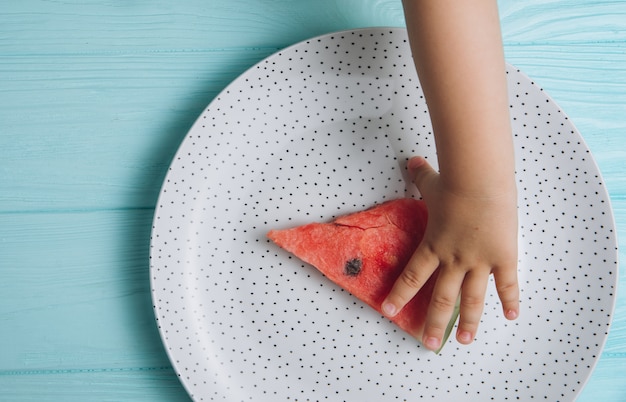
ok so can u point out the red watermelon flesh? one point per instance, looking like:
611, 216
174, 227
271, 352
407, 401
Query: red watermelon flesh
365, 252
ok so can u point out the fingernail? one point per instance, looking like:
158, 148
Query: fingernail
389, 309
432, 343
465, 336
511, 314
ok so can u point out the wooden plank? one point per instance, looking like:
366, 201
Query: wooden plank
106, 127
562, 21
150, 385
71, 27
78, 27
75, 292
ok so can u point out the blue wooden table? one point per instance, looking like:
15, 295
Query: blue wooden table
95, 97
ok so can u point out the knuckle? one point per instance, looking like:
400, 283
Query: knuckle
442, 302
472, 301
507, 291
467, 324
412, 279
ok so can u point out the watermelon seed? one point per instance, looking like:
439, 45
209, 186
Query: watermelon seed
353, 267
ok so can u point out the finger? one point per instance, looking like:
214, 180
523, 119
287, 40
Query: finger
472, 304
441, 306
419, 268
420, 171
508, 290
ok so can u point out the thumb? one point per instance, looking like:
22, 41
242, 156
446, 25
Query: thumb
420, 172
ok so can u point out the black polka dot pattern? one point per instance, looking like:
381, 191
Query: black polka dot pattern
324, 128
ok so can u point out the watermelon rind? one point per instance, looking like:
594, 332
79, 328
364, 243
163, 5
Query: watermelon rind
450, 327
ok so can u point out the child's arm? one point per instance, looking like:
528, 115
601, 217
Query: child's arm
472, 201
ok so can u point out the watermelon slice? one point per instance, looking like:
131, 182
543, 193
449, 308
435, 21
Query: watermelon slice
365, 252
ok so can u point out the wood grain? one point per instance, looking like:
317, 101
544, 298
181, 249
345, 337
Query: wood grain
132, 384
91, 302
95, 98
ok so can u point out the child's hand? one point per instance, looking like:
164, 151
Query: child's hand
468, 237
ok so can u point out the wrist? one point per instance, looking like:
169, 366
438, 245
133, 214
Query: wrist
485, 183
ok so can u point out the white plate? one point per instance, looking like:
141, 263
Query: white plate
324, 128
